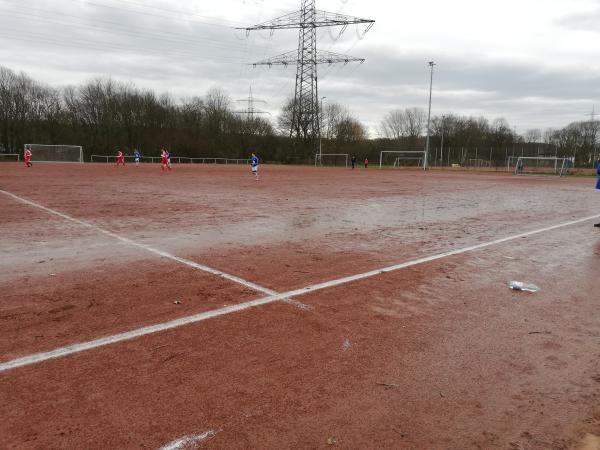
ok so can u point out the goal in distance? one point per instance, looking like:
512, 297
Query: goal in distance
55, 153
402, 158
332, 159
540, 165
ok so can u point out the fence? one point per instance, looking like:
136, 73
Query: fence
10, 157
174, 159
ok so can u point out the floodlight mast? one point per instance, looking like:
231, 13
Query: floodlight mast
442, 144
305, 109
320, 134
593, 115
431, 65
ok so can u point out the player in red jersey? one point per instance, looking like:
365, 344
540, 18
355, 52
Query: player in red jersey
164, 160
28, 157
120, 159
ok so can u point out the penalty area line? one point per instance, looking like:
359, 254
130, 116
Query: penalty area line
80, 347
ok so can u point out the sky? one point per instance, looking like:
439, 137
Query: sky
535, 63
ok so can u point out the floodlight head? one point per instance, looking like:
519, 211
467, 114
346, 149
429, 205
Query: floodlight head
431, 63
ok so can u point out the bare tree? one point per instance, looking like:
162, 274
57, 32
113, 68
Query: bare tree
350, 130
333, 115
416, 118
404, 123
533, 135
284, 120
393, 125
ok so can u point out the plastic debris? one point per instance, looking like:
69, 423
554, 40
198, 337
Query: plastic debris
52, 274
520, 286
346, 345
177, 302
332, 440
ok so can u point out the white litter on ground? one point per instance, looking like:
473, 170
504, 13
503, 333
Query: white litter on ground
186, 442
346, 345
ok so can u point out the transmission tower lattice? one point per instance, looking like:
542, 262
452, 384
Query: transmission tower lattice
251, 110
305, 112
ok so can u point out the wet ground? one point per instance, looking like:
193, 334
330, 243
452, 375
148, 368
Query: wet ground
440, 355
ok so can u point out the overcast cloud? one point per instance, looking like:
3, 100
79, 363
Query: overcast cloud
535, 63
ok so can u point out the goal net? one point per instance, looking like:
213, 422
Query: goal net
539, 165
332, 159
9, 157
398, 159
55, 153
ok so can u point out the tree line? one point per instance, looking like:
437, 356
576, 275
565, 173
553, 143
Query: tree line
103, 115
458, 139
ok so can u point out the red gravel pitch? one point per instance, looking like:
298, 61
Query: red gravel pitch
437, 356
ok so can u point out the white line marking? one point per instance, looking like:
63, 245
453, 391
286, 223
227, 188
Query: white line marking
160, 253
75, 348
186, 441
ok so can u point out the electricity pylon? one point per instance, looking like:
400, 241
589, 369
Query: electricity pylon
251, 110
305, 113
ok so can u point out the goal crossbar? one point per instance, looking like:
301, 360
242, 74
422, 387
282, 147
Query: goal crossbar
406, 155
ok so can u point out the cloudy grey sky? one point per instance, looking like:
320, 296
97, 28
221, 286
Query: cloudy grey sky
535, 63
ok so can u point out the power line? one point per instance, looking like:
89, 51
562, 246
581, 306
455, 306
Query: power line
187, 15
135, 34
130, 30
84, 44
228, 23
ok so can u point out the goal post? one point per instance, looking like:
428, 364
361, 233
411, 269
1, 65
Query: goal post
332, 159
402, 158
539, 165
55, 153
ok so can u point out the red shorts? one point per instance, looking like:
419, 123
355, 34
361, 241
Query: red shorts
164, 162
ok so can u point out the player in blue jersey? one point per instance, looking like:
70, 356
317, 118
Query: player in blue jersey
598, 186
254, 164
136, 157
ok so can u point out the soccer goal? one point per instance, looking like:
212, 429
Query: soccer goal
539, 165
332, 159
398, 158
55, 153
9, 157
